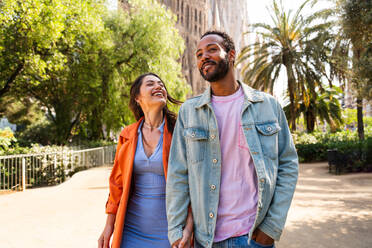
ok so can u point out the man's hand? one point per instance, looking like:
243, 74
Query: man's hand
185, 242
262, 238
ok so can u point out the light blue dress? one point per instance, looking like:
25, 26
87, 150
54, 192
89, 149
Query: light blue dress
146, 221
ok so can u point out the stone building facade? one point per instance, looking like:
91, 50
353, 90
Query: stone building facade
192, 22
194, 17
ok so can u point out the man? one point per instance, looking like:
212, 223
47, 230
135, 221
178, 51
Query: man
232, 157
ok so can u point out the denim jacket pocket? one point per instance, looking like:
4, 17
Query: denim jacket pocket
269, 138
196, 142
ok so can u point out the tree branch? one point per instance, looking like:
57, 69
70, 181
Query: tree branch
11, 79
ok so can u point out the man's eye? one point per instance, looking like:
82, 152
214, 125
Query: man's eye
213, 49
198, 55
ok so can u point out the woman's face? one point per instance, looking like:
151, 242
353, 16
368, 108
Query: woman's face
152, 93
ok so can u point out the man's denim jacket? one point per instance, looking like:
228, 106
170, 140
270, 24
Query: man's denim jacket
194, 169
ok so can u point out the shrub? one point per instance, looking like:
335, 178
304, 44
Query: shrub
355, 154
40, 132
6, 138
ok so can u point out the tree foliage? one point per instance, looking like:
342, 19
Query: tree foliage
324, 107
355, 18
298, 44
142, 39
77, 60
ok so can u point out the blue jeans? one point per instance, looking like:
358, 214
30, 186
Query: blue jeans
236, 242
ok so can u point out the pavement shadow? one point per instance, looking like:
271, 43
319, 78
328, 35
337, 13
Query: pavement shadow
329, 211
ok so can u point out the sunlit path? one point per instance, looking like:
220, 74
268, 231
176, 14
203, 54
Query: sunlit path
68, 215
328, 211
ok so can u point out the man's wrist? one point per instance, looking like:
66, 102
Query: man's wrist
175, 235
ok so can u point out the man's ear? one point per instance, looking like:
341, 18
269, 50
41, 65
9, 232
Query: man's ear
231, 55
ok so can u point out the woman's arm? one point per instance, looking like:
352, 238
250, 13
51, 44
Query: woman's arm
104, 239
115, 186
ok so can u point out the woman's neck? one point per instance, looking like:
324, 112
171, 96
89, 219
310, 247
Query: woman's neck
153, 118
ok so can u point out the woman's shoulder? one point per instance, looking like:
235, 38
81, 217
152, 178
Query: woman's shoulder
130, 130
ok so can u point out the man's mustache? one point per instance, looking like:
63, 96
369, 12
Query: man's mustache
208, 62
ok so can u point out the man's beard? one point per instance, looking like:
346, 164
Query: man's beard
219, 73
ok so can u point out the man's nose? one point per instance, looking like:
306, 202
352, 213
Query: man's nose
205, 56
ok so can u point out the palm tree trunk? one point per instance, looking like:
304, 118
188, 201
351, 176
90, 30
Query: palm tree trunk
310, 121
360, 118
291, 90
357, 52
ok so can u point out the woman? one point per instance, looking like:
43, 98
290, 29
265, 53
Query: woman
136, 203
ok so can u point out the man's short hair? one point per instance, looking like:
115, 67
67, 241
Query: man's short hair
228, 43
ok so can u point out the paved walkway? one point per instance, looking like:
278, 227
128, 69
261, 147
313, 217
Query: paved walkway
328, 211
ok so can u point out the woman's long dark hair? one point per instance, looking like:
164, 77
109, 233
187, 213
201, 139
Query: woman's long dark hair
137, 110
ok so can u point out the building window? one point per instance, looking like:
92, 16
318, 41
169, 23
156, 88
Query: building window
196, 16
200, 18
195, 29
181, 8
178, 5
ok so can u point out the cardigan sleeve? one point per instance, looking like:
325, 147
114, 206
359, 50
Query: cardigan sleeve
115, 182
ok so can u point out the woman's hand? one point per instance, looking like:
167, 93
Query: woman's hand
186, 240
104, 239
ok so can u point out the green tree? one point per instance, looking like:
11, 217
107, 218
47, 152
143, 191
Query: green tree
143, 38
20, 111
65, 89
299, 44
29, 31
82, 76
356, 25
324, 107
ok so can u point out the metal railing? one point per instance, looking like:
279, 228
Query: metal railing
18, 172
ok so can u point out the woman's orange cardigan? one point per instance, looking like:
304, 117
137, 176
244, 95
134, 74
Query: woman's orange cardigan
121, 175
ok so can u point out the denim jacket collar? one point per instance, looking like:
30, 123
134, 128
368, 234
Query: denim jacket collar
250, 95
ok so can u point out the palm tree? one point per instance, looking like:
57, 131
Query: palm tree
298, 44
324, 107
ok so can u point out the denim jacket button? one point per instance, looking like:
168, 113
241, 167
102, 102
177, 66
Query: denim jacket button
213, 187
211, 215
269, 129
262, 180
214, 160
193, 134
213, 136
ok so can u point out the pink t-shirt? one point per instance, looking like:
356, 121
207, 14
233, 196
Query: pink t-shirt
238, 193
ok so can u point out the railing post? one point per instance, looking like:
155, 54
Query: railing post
71, 160
55, 161
103, 155
23, 174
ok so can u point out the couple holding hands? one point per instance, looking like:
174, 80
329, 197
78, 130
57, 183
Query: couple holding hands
221, 174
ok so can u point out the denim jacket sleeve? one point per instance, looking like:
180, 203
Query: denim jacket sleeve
177, 188
275, 218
